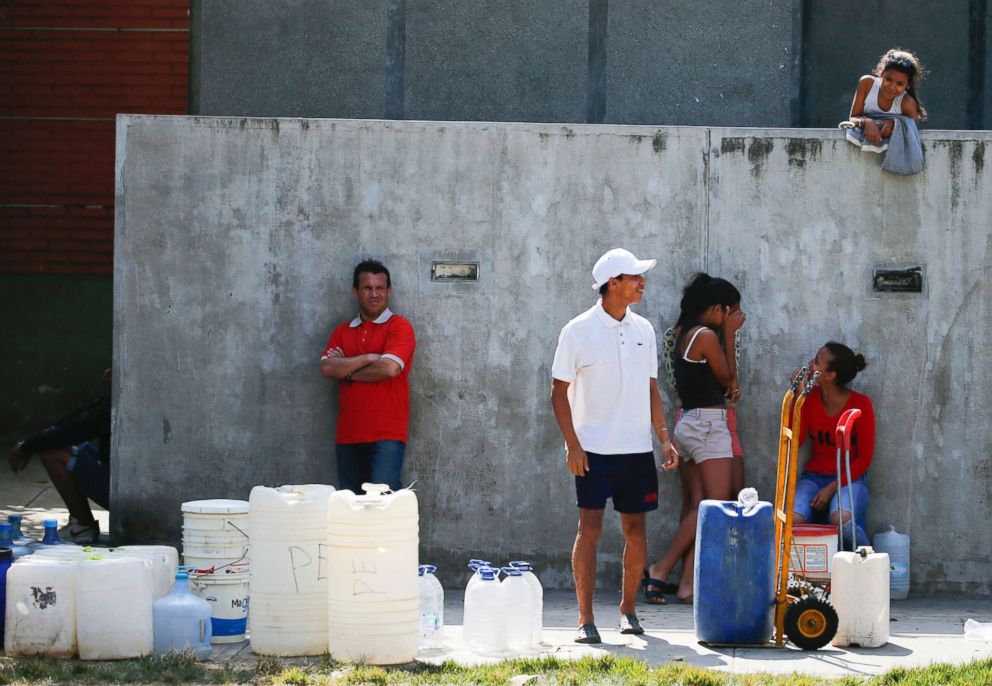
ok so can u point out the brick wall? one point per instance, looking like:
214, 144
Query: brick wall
67, 67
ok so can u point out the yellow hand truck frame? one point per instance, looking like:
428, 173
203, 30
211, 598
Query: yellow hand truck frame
809, 621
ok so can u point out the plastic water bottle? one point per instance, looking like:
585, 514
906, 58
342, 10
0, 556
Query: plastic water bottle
897, 546
518, 600
181, 621
537, 592
6, 558
51, 537
484, 623
16, 535
475, 565
6, 542
431, 609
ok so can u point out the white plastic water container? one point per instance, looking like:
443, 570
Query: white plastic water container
226, 592
373, 598
431, 609
169, 560
114, 597
40, 615
538, 598
859, 591
484, 620
474, 564
215, 533
163, 572
897, 546
181, 621
518, 601
288, 590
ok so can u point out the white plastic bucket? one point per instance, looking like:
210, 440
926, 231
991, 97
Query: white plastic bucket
813, 550
228, 598
215, 533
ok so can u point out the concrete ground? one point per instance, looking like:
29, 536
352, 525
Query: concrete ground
922, 631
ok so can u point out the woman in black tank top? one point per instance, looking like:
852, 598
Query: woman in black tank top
705, 373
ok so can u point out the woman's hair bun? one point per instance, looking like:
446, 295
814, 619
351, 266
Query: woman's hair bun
859, 362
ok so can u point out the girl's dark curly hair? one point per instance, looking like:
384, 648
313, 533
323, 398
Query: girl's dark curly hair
909, 64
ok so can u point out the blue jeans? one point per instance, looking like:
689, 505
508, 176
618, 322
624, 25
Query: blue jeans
378, 462
809, 484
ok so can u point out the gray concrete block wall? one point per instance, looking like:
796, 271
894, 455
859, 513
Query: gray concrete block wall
235, 244
712, 64
842, 45
511, 61
752, 63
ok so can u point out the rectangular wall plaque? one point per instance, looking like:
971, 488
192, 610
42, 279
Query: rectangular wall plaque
901, 280
455, 271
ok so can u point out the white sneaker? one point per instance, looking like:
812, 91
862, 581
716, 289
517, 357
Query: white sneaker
74, 532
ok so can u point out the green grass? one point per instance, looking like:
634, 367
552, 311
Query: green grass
609, 670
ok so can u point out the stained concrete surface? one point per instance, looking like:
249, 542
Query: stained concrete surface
235, 244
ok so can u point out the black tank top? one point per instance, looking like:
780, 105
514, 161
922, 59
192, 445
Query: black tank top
695, 381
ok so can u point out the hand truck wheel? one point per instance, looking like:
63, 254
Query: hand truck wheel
810, 622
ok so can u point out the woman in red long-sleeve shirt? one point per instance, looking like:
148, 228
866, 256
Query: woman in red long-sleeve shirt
816, 498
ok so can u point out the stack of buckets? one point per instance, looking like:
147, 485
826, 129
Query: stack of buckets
215, 545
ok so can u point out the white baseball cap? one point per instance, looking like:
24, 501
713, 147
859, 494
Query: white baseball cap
616, 262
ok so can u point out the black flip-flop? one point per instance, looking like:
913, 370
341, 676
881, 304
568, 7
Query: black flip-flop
588, 633
654, 590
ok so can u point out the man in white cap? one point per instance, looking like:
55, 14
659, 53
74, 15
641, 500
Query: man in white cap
605, 398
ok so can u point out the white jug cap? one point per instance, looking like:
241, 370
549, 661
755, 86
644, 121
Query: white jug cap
219, 506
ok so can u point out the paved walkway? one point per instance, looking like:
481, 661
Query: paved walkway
923, 630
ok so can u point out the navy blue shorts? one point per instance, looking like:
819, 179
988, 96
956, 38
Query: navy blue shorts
631, 480
90, 474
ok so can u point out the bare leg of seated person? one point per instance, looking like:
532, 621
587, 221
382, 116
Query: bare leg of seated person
82, 523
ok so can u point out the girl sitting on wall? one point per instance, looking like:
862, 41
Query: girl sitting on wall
893, 89
816, 499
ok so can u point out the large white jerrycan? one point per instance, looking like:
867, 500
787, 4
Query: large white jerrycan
897, 546
373, 596
859, 591
288, 588
164, 559
114, 597
41, 608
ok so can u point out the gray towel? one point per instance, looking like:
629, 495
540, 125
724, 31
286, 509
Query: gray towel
904, 155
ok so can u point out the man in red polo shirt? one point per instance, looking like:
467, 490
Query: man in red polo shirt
370, 357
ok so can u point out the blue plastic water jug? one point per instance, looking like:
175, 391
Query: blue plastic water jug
6, 542
6, 558
16, 535
734, 577
181, 621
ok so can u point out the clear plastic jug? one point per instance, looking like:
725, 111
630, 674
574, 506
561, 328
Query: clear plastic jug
484, 623
897, 546
17, 550
431, 609
51, 537
16, 535
538, 596
518, 601
475, 564
182, 621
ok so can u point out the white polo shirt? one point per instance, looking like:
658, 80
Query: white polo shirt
609, 366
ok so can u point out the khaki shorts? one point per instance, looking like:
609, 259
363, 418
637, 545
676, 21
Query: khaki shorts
702, 434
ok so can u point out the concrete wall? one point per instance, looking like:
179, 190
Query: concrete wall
236, 239
750, 63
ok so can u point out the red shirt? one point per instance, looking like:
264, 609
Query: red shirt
377, 411
821, 429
